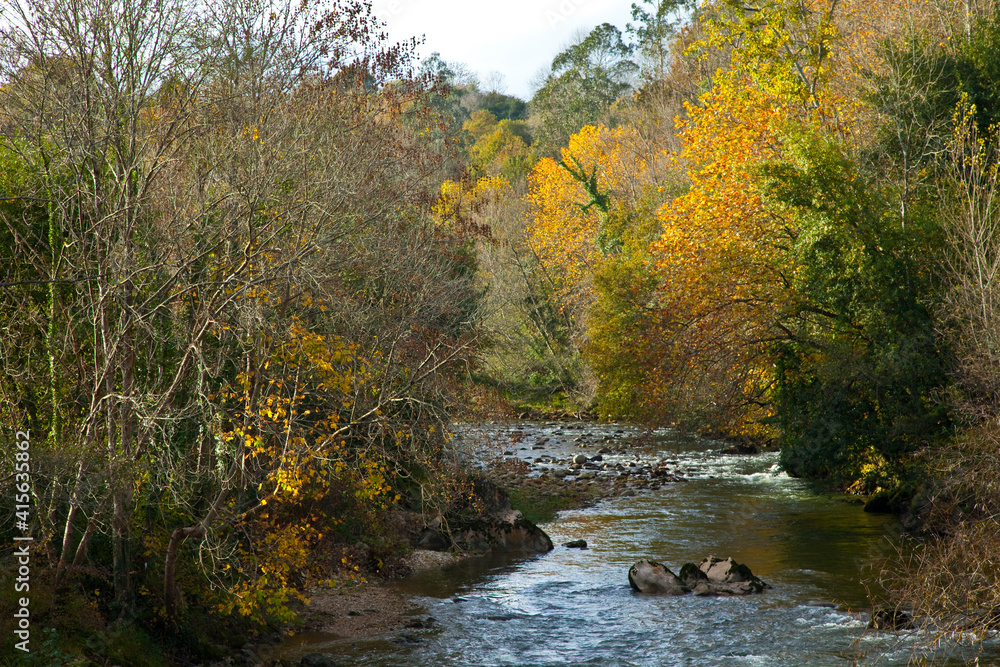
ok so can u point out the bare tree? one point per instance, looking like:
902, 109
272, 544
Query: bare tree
971, 309
80, 78
198, 178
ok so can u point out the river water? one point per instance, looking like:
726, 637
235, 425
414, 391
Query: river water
575, 607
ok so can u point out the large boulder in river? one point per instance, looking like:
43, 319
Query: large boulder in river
487, 523
721, 576
654, 578
503, 530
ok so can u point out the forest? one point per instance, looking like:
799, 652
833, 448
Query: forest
257, 261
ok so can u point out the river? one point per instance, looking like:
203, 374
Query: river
575, 607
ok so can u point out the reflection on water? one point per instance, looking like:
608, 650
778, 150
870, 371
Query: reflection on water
574, 607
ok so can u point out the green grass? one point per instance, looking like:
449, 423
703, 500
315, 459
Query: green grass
541, 506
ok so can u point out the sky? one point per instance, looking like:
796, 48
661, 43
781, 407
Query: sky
517, 38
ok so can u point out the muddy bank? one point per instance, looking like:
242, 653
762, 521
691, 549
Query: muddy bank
355, 611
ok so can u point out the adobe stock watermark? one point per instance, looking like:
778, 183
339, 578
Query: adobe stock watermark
384, 11
563, 11
22, 542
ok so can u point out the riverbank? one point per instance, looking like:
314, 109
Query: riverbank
353, 611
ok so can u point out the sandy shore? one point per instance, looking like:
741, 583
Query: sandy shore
370, 609
357, 611
365, 610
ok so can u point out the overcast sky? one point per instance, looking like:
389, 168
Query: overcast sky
514, 37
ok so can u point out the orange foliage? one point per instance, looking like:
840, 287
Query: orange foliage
720, 242
566, 224
721, 258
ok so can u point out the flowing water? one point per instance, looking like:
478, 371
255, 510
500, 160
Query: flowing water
575, 607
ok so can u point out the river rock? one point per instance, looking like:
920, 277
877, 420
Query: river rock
576, 544
654, 578
580, 459
432, 537
497, 531
721, 576
497, 527
744, 448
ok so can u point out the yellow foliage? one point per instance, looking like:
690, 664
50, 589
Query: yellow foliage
458, 202
565, 227
279, 564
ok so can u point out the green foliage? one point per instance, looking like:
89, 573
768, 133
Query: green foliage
979, 69
585, 80
504, 107
499, 148
48, 653
859, 377
621, 327
917, 92
437, 70
652, 30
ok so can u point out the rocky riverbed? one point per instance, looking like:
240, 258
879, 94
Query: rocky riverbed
579, 462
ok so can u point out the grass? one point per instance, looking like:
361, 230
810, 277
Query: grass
541, 505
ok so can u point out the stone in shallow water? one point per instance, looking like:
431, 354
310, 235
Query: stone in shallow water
721, 576
654, 578
890, 620
317, 660
576, 544
715, 576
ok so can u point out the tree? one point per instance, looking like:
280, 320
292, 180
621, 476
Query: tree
585, 80
592, 220
858, 373
970, 313
653, 31
77, 106
186, 196
722, 262
782, 46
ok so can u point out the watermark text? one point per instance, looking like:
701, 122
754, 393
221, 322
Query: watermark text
22, 542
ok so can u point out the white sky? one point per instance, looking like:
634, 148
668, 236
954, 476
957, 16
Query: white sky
514, 37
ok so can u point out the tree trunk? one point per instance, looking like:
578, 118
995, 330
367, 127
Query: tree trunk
81, 548
74, 506
171, 592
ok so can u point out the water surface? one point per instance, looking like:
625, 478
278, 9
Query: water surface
574, 607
